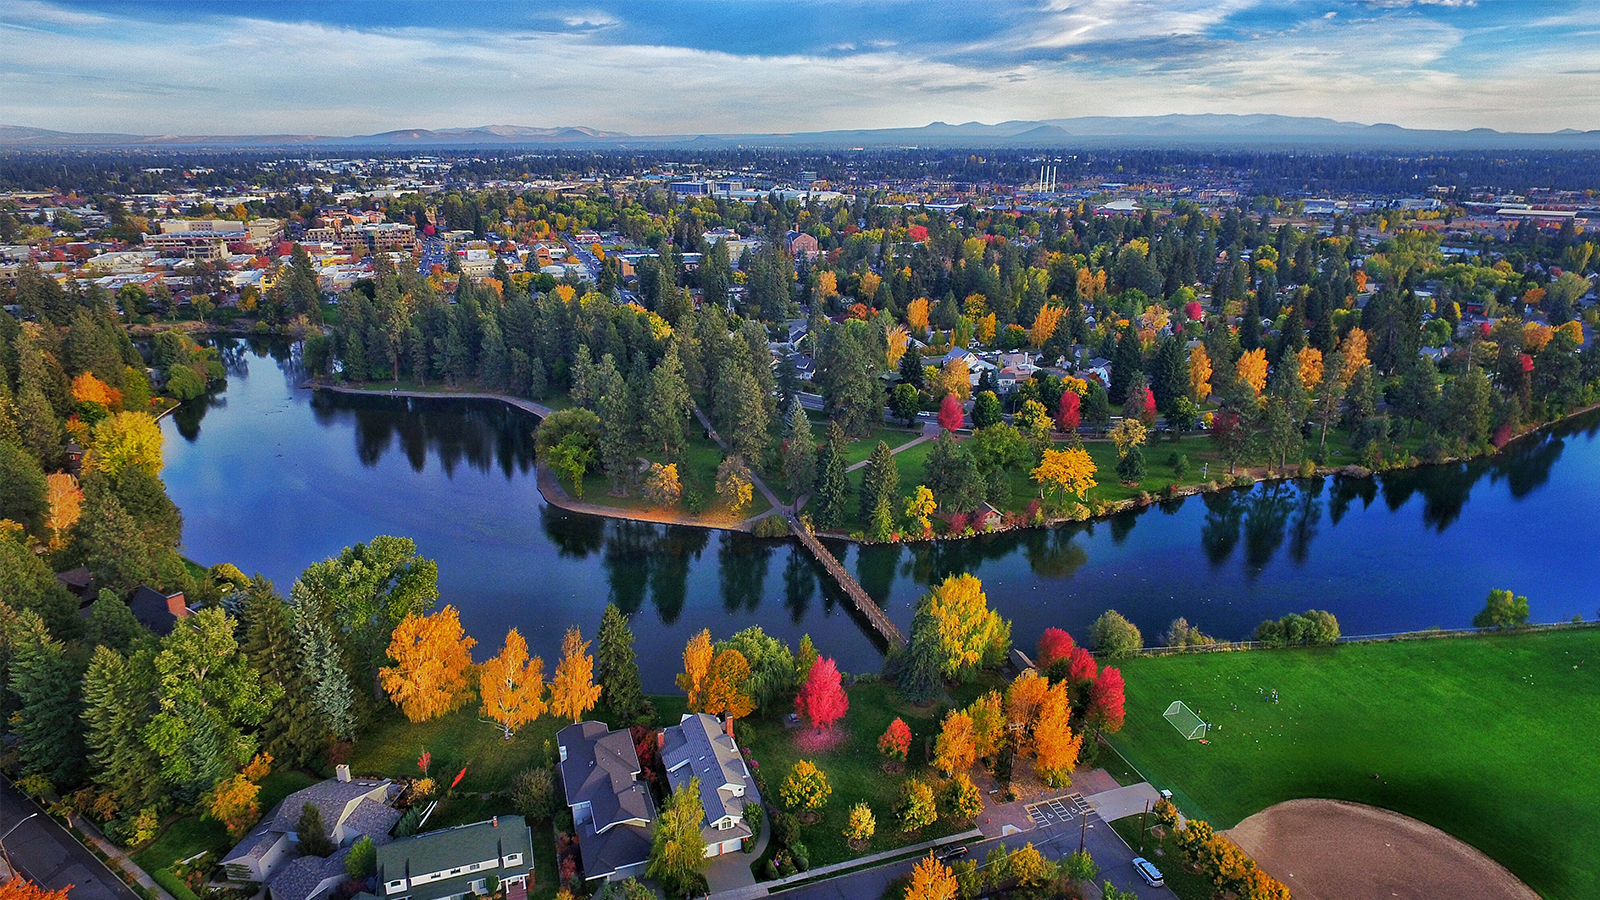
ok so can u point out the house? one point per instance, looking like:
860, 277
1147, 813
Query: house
611, 808
799, 243
157, 611
456, 863
351, 808
697, 747
80, 583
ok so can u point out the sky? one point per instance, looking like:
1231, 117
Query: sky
669, 67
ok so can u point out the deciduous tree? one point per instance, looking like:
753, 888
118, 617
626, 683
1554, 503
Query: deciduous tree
822, 700
932, 880
1106, 700
806, 787
862, 824
895, 742
697, 655
512, 685
1055, 747
962, 800
967, 632
1067, 472
432, 667
951, 415
954, 750
726, 686
572, 689
917, 807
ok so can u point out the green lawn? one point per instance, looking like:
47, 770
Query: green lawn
195, 834
1490, 738
854, 770
464, 738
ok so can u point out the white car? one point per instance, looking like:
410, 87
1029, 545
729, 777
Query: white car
1148, 871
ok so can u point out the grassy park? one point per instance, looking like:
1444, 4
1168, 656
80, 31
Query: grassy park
1489, 738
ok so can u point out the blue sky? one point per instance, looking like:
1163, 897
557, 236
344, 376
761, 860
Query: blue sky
751, 65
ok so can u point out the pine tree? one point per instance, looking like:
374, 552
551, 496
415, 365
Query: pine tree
829, 495
321, 662
116, 705
111, 624
46, 682
880, 482
115, 549
1126, 362
668, 406
800, 451
292, 731
617, 669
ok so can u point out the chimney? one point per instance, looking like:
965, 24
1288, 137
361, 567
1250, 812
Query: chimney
342, 772
727, 728
661, 740
494, 822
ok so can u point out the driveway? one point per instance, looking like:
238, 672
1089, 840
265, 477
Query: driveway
47, 855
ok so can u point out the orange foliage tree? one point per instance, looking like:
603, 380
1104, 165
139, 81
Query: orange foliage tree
917, 315
65, 501
725, 685
573, 691
1353, 349
1045, 323
1310, 359
512, 685
932, 880
1055, 747
19, 888
1253, 369
433, 665
955, 751
88, 389
233, 802
696, 664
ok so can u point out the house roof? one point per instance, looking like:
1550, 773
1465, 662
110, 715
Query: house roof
157, 611
304, 877
601, 768
615, 849
333, 798
441, 850
697, 747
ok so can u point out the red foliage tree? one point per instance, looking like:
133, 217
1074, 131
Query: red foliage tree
1193, 310
1054, 644
1082, 667
1148, 413
917, 233
1067, 412
822, 700
950, 413
895, 742
649, 751
1106, 700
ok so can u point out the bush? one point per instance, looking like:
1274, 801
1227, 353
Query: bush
1314, 627
173, 884
533, 792
786, 828
773, 526
1115, 636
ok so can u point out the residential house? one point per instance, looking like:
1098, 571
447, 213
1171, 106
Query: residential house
698, 747
611, 808
457, 863
157, 611
351, 808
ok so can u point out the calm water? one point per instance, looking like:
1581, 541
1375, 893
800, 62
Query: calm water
273, 478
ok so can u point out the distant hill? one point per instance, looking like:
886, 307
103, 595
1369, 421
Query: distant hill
1208, 130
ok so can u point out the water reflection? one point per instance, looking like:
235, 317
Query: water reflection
483, 434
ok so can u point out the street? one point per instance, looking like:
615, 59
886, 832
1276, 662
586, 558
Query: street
1054, 840
47, 855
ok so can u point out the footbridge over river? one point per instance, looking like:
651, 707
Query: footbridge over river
863, 601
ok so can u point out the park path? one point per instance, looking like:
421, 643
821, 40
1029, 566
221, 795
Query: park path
924, 437
538, 409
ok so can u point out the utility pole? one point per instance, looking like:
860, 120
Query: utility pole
1083, 829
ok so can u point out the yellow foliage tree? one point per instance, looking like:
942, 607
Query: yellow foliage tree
726, 686
1310, 367
1055, 747
1573, 329
988, 724
827, 286
572, 690
986, 329
921, 506
954, 750
967, 628
733, 484
512, 685
1353, 349
1066, 472
662, 486
932, 880
1199, 373
1045, 324
1253, 369
1127, 434
124, 440
233, 802
65, 501
697, 656
917, 315
88, 389
1535, 336
869, 286
862, 824
566, 292
1034, 421
899, 340
1024, 697
956, 378
433, 665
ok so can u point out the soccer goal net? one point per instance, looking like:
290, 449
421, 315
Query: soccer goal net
1184, 719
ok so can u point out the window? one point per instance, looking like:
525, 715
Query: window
456, 871
513, 859
481, 886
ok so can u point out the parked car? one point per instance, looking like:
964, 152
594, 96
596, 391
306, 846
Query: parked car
1148, 871
950, 853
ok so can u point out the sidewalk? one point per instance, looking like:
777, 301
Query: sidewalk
111, 850
821, 872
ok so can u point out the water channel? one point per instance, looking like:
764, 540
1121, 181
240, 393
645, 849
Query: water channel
272, 478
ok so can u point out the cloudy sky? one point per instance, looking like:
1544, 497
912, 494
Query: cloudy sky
757, 66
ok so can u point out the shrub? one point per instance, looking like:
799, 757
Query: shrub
1115, 636
533, 793
806, 787
773, 526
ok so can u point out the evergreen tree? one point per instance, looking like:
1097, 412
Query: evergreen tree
291, 731
1126, 362
116, 551
116, 707
617, 670
47, 723
312, 832
1131, 467
321, 663
26, 583
618, 430
800, 451
668, 406
22, 487
880, 482
111, 624
828, 499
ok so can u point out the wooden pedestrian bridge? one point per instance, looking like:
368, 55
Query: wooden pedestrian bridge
864, 604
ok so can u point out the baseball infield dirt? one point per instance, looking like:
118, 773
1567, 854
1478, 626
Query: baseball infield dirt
1333, 850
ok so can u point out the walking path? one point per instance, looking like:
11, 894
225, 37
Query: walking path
922, 438
538, 409
123, 860
766, 887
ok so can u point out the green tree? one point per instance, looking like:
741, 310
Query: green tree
1502, 610
904, 401
677, 847
362, 860
363, 593
1131, 467
118, 554
952, 474
45, 681
209, 700
116, 708
1115, 636
22, 492
668, 406
26, 583
616, 668
800, 451
986, 410
291, 731
312, 832
111, 624
880, 482
828, 499
322, 663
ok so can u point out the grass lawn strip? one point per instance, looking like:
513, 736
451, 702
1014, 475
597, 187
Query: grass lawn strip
1486, 738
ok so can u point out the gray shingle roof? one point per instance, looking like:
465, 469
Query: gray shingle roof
331, 798
601, 768
697, 747
448, 848
299, 878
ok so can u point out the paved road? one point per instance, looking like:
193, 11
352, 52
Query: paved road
46, 854
1055, 840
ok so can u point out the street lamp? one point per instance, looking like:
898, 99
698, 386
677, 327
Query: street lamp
16, 826
1083, 829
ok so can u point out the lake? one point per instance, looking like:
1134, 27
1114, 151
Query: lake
272, 478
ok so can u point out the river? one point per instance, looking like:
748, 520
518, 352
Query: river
272, 478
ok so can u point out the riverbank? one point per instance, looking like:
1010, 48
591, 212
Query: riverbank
1162, 488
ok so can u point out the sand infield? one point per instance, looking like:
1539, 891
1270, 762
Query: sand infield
1334, 850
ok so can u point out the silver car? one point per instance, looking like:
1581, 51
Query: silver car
1148, 871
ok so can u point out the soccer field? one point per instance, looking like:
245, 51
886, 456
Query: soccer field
1494, 739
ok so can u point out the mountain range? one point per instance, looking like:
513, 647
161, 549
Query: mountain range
1257, 131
